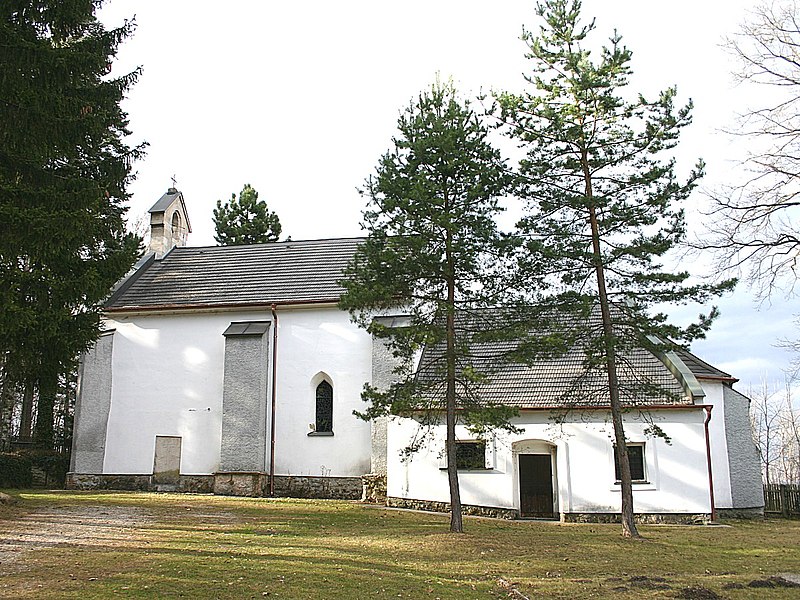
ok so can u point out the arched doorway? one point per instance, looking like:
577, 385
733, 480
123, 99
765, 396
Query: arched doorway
536, 472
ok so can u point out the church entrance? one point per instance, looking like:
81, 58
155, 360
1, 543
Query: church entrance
536, 486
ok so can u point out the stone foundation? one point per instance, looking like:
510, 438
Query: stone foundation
444, 507
196, 484
295, 486
238, 483
231, 483
741, 513
373, 488
642, 518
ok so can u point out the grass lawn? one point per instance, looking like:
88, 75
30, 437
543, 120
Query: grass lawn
97, 545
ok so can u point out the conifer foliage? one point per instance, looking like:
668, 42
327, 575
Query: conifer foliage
64, 167
431, 249
245, 220
602, 198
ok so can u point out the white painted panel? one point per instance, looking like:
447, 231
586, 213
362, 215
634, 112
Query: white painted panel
312, 343
719, 444
168, 374
584, 464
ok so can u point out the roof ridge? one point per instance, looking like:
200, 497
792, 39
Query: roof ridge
270, 244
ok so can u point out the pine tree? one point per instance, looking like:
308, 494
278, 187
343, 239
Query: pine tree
245, 221
601, 190
431, 249
64, 167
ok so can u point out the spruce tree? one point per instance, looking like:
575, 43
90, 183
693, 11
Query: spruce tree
603, 201
245, 220
64, 167
431, 249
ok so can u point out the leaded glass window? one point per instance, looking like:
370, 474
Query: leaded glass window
324, 421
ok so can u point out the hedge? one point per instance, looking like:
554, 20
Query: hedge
15, 470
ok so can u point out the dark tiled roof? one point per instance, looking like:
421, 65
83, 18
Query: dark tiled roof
280, 272
701, 368
164, 202
556, 381
563, 381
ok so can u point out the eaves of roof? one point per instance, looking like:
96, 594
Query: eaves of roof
218, 306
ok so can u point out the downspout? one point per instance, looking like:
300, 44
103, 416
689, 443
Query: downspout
708, 460
272, 401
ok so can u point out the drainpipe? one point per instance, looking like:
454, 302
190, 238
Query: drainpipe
708, 460
272, 401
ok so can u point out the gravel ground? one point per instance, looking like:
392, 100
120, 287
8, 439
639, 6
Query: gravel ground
71, 525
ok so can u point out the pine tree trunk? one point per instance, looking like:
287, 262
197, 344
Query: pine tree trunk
7, 400
620, 445
43, 431
456, 521
26, 415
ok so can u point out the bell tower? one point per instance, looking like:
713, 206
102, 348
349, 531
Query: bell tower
169, 223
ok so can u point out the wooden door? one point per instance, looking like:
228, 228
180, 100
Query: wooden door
536, 486
167, 462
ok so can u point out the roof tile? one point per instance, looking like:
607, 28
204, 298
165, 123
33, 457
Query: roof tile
279, 272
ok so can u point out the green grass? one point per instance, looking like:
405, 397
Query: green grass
175, 546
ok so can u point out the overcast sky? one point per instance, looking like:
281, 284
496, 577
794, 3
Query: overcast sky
301, 98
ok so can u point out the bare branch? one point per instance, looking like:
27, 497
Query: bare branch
752, 225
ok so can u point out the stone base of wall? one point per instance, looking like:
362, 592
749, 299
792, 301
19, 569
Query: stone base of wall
444, 507
296, 486
237, 483
196, 484
642, 518
373, 488
741, 513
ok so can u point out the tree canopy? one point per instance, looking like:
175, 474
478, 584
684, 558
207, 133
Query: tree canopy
245, 220
602, 200
432, 252
64, 168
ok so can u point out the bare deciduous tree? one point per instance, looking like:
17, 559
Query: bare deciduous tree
776, 432
753, 224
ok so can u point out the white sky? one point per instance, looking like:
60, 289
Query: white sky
301, 98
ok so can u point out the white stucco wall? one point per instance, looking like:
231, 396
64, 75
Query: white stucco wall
584, 474
168, 378
719, 443
311, 342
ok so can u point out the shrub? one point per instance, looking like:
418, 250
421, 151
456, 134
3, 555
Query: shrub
54, 465
15, 470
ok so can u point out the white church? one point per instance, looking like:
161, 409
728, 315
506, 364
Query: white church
230, 370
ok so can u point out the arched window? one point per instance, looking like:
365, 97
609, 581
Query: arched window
324, 420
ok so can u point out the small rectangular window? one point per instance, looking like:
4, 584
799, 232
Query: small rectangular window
471, 455
636, 460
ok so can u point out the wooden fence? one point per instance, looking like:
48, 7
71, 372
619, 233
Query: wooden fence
781, 499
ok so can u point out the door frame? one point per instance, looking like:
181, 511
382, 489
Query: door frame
540, 447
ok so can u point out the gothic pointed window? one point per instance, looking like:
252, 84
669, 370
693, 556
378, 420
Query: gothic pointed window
178, 236
324, 419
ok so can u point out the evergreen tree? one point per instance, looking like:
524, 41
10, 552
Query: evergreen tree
245, 221
431, 250
602, 192
64, 168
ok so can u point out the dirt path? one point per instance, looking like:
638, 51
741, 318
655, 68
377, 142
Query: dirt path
72, 525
